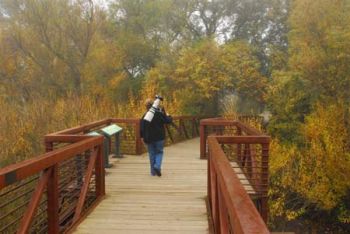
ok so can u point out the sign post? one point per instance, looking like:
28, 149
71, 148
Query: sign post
109, 132
105, 148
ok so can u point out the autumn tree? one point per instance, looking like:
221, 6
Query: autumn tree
309, 100
54, 36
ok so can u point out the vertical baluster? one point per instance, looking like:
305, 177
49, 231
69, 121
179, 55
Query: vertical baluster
203, 141
138, 138
249, 161
264, 180
52, 201
223, 219
239, 146
100, 173
52, 196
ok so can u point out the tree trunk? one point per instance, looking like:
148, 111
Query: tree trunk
76, 82
314, 228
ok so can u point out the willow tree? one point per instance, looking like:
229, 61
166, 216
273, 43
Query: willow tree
54, 36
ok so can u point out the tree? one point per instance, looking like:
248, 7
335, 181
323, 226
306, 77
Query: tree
55, 35
319, 44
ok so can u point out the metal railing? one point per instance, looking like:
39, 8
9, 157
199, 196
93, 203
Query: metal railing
50, 193
183, 128
231, 209
245, 151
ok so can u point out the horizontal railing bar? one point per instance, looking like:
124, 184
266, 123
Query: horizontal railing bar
43, 229
66, 185
247, 129
19, 196
126, 121
221, 122
66, 138
19, 186
14, 210
251, 161
29, 167
243, 215
10, 224
82, 128
243, 139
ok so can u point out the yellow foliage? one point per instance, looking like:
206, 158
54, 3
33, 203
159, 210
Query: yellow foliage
22, 127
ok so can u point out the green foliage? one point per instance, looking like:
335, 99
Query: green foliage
309, 101
288, 102
320, 44
205, 72
241, 63
310, 183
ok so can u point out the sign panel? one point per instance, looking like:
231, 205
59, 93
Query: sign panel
93, 134
111, 129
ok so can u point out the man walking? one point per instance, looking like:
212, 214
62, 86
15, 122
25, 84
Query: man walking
153, 135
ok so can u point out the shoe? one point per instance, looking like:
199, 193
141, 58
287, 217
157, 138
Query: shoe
158, 172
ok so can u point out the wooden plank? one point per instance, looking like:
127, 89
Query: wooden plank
137, 202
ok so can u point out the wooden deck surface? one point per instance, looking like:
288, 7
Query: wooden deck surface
137, 202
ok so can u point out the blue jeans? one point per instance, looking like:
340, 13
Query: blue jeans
155, 152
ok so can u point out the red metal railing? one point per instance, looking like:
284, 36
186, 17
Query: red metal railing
231, 209
246, 152
183, 127
50, 193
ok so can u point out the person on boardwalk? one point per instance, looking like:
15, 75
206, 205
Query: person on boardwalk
153, 133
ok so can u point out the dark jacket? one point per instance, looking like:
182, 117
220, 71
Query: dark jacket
154, 131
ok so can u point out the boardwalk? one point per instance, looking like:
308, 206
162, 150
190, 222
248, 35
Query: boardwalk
139, 203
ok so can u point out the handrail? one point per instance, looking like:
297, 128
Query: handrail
184, 127
241, 129
51, 188
246, 153
231, 207
52, 192
22, 170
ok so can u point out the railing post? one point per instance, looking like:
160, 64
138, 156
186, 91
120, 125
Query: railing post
203, 141
138, 138
48, 146
216, 208
209, 168
100, 173
264, 180
223, 219
194, 126
52, 201
245, 155
52, 195
183, 129
239, 146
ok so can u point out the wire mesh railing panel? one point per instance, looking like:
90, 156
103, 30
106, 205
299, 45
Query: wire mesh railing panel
219, 130
224, 188
246, 160
128, 138
72, 174
14, 200
39, 223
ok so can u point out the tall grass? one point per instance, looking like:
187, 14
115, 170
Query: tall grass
22, 126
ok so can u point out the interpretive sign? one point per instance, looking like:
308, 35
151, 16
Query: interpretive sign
111, 129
